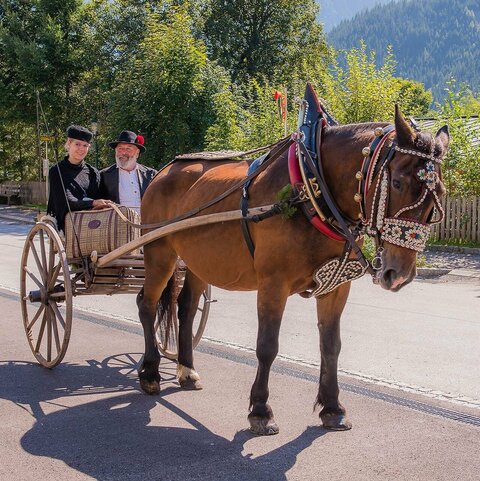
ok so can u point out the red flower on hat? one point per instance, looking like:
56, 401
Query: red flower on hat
140, 139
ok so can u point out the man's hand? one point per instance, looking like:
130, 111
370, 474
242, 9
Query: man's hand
101, 204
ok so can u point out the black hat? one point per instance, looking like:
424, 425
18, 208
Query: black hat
80, 133
129, 137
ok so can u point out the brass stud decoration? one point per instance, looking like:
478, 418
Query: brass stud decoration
357, 197
366, 151
359, 175
379, 132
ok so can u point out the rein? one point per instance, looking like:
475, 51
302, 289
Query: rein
282, 147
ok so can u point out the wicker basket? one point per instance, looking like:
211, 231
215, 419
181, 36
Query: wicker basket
99, 230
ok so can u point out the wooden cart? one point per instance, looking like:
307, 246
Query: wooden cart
49, 281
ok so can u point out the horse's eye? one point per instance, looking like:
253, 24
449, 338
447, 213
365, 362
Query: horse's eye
396, 183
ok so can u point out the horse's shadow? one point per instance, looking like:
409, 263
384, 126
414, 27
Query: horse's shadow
112, 438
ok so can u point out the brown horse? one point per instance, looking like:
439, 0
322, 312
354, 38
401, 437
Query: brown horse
287, 251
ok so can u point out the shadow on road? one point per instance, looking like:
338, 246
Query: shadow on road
112, 438
14, 228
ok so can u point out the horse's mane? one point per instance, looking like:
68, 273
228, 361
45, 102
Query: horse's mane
357, 128
424, 141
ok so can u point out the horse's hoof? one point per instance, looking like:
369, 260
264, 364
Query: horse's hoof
150, 387
190, 384
188, 378
263, 426
335, 422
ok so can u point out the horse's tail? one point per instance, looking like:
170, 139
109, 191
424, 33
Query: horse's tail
167, 305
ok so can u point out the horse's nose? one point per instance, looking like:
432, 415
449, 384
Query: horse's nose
391, 280
387, 279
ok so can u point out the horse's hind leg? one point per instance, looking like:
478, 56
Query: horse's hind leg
270, 305
329, 311
188, 300
159, 266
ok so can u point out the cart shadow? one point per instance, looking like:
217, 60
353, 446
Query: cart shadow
113, 437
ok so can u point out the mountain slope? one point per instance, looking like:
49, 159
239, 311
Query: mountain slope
432, 40
332, 12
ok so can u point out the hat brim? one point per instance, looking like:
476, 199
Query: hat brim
113, 145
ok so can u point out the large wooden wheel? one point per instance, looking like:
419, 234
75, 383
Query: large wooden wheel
46, 295
167, 330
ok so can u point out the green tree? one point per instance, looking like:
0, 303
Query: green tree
245, 117
270, 39
461, 167
365, 92
40, 49
166, 90
413, 97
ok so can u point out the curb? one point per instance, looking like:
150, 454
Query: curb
453, 249
429, 272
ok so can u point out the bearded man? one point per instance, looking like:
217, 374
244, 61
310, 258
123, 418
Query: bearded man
125, 181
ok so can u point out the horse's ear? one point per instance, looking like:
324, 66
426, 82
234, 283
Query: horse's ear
405, 135
443, 136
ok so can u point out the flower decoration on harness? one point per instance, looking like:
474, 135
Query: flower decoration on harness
429, 176
406, 233
401, 231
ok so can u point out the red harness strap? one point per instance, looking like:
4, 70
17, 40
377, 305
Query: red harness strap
296, 180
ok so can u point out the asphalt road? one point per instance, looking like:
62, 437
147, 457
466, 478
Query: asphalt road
410, 383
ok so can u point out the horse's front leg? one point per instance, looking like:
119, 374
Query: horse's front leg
329, 311
270, 306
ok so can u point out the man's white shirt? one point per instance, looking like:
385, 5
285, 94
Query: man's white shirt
129, 189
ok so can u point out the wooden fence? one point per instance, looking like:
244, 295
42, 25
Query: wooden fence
461, 222
29, 192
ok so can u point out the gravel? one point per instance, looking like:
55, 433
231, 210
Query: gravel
452, 259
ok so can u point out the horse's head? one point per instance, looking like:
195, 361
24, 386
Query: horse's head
406, 200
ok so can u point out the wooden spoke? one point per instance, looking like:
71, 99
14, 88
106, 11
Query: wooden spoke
40, 334
54, 277
49, 335
44, 256
34, 278
55, 332
37, 315
37, 261
51, 259
57, 312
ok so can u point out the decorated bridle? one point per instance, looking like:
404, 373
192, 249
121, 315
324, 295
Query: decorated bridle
401, 231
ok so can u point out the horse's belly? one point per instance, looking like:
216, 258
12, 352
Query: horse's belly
218, 256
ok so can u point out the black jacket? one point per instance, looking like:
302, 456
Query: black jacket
82, 186
109, 181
